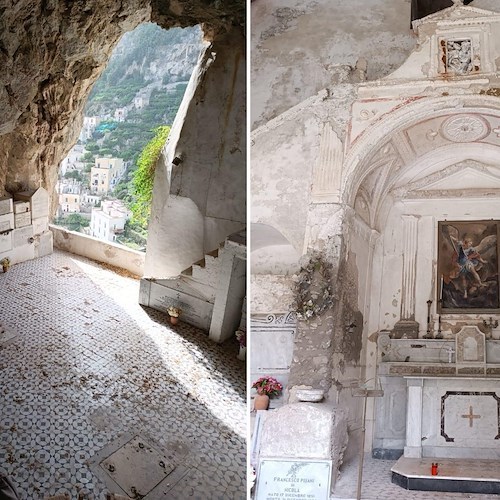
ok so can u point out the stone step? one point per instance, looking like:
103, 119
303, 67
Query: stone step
453, 475
202, 263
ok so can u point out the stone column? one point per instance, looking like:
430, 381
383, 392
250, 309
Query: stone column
327, 174
413, 448
407, 327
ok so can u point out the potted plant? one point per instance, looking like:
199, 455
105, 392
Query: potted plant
267, 387
5, 264
174, 313
241, 336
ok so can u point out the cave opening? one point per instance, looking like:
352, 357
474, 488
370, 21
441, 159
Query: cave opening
105, 182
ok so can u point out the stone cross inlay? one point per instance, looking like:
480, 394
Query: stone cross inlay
471, 416
450, 439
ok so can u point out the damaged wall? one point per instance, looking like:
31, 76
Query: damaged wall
297, 47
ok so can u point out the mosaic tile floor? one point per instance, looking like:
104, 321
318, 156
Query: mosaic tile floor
82, 365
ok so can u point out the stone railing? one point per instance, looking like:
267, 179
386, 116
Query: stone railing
99, 250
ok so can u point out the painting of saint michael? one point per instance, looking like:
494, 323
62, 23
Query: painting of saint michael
468, 266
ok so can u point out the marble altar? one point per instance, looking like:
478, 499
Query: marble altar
441, 397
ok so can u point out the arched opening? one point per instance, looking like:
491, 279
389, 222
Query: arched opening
451, 176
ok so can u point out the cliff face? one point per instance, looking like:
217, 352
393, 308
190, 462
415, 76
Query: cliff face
51, 53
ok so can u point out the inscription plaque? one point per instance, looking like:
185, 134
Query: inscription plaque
294, 479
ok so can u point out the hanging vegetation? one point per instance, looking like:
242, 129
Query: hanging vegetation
143, 177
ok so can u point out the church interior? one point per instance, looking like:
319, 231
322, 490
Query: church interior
374, 246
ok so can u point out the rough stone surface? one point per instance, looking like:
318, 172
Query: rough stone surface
306, 430
52, 52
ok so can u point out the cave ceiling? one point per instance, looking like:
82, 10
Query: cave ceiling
52, 52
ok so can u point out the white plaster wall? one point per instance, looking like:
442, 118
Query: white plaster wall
209, 136
183, 246
98, 250
281, 176
297, 46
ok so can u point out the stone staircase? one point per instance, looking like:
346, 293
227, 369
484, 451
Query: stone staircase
203, 288
202, 275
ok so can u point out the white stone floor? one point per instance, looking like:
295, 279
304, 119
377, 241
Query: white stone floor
82, 365
377, 484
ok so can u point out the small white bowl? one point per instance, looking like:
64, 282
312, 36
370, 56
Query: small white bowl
310, 395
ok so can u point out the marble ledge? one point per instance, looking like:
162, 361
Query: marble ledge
433, 370
449, 468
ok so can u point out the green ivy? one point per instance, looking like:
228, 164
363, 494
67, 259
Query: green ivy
143, 177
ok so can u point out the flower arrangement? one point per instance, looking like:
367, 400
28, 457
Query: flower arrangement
173, 311
242, 337
5, 263
268, 386
313, 291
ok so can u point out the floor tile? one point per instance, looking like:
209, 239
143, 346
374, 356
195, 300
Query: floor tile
84, 365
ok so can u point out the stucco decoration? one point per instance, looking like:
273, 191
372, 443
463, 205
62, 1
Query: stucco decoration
465, 128
459, 56
327, 173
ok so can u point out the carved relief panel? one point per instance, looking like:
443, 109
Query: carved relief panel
461, 52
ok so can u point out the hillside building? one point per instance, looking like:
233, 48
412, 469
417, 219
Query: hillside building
105, 174
109, 220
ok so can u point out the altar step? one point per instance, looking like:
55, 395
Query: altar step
454, 475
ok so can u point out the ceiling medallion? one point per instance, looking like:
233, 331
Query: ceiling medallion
465, 128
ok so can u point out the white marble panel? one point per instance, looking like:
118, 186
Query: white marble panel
294, 479
413, 446
6, 222
22, 219
23, 253
6, 205
471, 420
22, 236
44, 244
274, 335
40, 225
21, 207
199, 312
5, 242
459, 417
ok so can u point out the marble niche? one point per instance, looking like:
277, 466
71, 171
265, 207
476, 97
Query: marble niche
441, 397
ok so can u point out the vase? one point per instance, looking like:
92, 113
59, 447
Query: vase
5, 268
242, 353
174, 320
261, 402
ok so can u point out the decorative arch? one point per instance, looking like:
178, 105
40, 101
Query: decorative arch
374, 165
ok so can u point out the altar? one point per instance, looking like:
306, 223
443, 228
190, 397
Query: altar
453, 417
441, 397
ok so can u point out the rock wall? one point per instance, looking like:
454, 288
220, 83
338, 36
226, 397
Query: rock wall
51, 52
